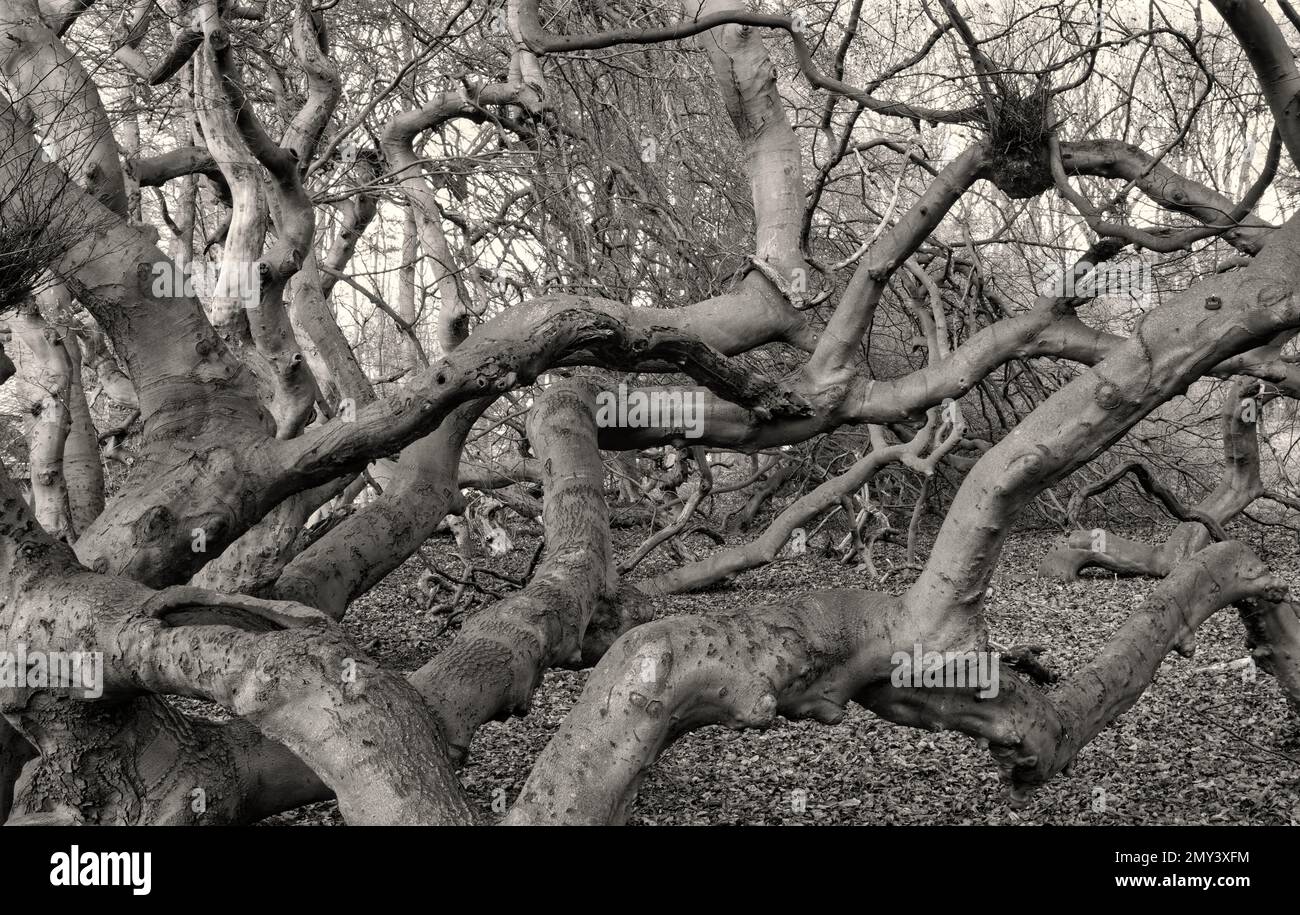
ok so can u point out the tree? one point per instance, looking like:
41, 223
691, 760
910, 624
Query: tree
863, 247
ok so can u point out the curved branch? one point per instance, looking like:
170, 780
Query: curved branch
1154, 488
497, 660
541, 42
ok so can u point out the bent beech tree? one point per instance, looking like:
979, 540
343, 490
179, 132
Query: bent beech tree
862, 245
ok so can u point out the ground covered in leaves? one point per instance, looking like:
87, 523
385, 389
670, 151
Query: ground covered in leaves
1200, 746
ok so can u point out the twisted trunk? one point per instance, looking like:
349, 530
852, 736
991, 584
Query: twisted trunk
497, 660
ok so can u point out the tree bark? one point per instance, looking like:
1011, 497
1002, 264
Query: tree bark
497, 660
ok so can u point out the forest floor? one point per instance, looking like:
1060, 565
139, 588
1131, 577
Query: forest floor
1198, 747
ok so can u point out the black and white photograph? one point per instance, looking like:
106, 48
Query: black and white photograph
831, 413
